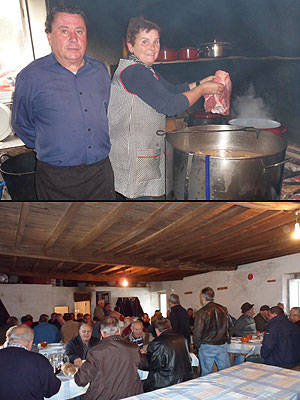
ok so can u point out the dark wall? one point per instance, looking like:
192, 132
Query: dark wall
256, 28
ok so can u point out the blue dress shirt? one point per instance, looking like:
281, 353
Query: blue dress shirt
63, 115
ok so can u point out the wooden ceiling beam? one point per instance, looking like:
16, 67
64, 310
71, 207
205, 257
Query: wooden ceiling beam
58, 266
102, 226
21, 224
157, 216
234, 245
35, 252
62, 224
172, 228
220, 222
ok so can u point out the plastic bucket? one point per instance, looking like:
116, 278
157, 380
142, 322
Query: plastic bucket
18, 172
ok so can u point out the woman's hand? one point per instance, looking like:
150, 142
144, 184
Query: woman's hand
207, 79
210, 87
78, 362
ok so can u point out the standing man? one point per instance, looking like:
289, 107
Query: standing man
168, 358
179, 317
262, 318
99, 310
211, 333
59, 110
111, 366
25, 374
281, 344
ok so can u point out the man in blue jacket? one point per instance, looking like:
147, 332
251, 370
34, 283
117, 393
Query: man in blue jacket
281, 344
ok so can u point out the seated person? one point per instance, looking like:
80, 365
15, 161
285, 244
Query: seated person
78, 347
137, 336
146, 320
262, 318
245, 325
25, 375
169, 361
44, 332
295, 315
281, 344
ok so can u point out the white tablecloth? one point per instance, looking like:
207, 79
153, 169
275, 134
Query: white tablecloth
244, 381
68, 388
250, 348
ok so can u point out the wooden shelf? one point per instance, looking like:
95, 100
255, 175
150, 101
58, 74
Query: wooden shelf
202, 59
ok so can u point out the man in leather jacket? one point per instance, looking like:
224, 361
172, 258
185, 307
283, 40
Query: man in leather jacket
169, 361
212, 333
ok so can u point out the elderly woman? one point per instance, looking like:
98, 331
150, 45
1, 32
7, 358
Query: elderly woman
140, 100
78, 347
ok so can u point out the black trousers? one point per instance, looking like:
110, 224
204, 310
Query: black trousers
80, 182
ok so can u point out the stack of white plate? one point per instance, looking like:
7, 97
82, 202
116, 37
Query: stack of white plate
6, 96
5, 121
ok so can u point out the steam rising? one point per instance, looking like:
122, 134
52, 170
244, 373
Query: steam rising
250, 106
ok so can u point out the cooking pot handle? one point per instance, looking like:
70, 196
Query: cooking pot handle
277, 164
2, 156
160, 132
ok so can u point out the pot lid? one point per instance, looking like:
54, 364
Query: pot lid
215, 42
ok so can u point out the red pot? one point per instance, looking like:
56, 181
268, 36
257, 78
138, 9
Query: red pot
188, 53
167, 55
258, 123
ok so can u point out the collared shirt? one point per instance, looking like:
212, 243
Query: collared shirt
62, 115
18, 345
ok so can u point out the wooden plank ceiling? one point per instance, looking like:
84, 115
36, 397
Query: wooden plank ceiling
147, 241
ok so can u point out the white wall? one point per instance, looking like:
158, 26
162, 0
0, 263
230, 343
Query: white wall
21, 299
240, 289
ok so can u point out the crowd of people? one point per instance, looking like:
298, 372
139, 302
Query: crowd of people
109, 348
95, 138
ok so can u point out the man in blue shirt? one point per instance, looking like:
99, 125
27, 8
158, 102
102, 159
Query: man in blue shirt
45, 332
59, 110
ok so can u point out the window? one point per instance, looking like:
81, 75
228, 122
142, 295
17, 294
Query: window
163, 304
15, 45
294, 293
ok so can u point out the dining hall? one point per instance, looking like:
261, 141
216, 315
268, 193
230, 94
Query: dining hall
207, 291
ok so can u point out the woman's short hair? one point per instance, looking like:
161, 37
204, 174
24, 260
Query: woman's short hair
68, 10
137, 25
110, 325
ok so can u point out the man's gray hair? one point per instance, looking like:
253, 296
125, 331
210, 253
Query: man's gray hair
174, 298
110, 326
208, 293
296, 310
21, 334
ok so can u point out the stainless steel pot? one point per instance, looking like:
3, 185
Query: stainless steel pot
191, 176
216, 49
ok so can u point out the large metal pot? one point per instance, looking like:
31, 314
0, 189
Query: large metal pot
234, 163
216, 49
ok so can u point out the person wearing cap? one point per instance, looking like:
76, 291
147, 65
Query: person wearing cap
245, 325
262, 318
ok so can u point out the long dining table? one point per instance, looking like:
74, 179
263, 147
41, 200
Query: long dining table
245, 381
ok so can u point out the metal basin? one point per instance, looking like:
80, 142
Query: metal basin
233, 163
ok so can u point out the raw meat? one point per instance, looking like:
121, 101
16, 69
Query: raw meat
219, 103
